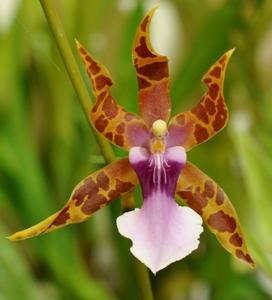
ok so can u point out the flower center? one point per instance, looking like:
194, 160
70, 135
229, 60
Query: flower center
159, 129
158, 172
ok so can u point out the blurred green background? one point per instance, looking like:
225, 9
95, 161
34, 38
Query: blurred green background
46, 146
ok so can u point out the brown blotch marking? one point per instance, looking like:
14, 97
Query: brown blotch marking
246, 258
219, 196
93, 68
82, 51
88, 59
130, 117
144, 23
110, 108
219, 121
222, 222
101, 81
195, 200
208, 189
109, 136
102, 180
99, 100
180, 119
62, 217
200, 133
207, 80
142, 83
120, 128
213, 90
89, 188
113, 194
155, 71
221, 115
120, 188
223, 59
221, 104
142, 49
236, 240
216, 72
93, 204
119, 140
123, 186
101, 123
210, 106
201, 113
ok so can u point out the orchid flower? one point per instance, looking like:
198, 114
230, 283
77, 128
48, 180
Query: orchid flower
161, 231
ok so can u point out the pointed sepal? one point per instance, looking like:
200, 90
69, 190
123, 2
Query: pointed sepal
208, 117
208, 199
120, 127
152, 74
91, 194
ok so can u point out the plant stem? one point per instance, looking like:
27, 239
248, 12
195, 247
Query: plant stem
86, 102
144, 280
73, 72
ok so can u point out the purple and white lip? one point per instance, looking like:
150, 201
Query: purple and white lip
161, 231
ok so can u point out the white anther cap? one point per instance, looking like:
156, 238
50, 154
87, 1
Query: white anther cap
159, 128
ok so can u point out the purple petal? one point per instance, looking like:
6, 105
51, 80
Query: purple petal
161, 231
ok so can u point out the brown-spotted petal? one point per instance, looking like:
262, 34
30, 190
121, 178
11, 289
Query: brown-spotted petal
152, 74
208, 199
122, 128
94, 192
208, 117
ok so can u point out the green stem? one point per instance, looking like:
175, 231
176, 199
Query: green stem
73, 72
86, 102
144, 280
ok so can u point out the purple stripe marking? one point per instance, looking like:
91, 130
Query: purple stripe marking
159, 171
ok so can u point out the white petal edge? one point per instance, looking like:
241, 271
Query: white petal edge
158, 241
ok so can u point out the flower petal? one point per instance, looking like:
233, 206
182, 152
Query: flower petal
122, 128
94, 192
152, 74
207, 198
161, 231
208, 117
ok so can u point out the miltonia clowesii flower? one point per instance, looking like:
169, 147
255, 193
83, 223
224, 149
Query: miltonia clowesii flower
161, 231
